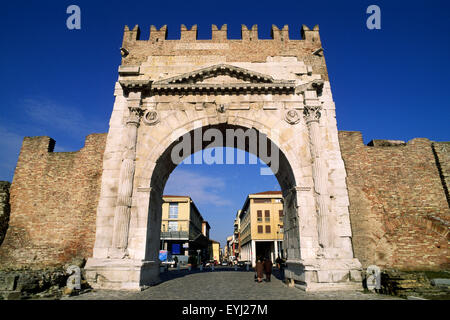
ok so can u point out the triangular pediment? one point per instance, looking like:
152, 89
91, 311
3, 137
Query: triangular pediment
222, 78
220, 73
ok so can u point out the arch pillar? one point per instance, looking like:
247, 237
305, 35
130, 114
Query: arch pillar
125, 267
324, 261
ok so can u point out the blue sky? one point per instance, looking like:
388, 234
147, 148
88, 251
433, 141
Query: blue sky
390, 83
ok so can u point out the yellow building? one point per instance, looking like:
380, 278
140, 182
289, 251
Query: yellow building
214, 251
261, 226
183, 230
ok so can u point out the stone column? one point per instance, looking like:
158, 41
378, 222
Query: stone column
275, 248
125, 190
312, 114
253, 253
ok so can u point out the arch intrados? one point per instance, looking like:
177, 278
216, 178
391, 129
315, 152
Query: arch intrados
164, 164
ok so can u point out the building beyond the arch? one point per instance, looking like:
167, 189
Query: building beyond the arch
386, 203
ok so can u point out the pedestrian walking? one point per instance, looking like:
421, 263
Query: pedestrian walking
268, 268
280, 265
259, 270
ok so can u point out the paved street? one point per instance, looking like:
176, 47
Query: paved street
220, 284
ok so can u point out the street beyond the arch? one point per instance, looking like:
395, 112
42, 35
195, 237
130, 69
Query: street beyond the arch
224, 283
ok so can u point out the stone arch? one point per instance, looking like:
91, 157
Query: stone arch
148, 118
285, 147
157, 167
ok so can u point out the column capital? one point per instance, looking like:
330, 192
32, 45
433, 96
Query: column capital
312, 113
135, 116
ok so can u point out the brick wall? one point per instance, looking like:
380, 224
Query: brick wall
399, 211
53, 203
4, 208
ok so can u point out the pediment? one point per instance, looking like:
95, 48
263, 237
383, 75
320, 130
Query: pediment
218, 71
221, 77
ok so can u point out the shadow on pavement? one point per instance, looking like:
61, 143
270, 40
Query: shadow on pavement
174, 273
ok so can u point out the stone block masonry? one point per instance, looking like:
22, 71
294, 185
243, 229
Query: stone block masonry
247, 49
53, 204
399, 212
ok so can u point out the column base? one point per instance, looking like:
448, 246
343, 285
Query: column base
324, 274
121, 274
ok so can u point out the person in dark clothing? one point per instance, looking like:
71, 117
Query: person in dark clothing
268, 268
259, 270
280, 266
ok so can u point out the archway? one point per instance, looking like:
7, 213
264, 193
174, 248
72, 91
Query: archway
161, 172
146, 125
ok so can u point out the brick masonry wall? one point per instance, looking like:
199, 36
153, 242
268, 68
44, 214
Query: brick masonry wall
442, 155
53, 204
399, 212
4, 208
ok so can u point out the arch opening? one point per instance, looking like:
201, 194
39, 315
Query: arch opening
263, 148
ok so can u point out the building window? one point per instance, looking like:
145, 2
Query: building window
259, 215
261, 201
267, 229
280, 212
267, 215
173, 226
260, 229
277, 200
173, 210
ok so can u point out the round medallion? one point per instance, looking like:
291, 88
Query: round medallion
151, 117
292, 117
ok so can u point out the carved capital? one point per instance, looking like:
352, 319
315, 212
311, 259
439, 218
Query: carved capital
312, 113
135, 116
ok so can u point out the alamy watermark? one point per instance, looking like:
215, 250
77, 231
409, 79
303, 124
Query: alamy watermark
251, 140
374, 20
73, 21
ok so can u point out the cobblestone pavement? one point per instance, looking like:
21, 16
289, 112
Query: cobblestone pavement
223, 284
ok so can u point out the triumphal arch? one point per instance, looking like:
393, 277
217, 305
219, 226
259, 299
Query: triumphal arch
170, 89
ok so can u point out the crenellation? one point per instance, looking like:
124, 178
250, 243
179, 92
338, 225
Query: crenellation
188, 35
249, 35
158, 35
311, 35
131, 35
280, 35
219, 35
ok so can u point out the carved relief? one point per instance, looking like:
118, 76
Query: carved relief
151, 117
292, 117
221, 108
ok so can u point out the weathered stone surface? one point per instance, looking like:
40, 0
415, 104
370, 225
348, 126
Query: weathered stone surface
399, 212
18, 284
440, 282
4, 208
54, 198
